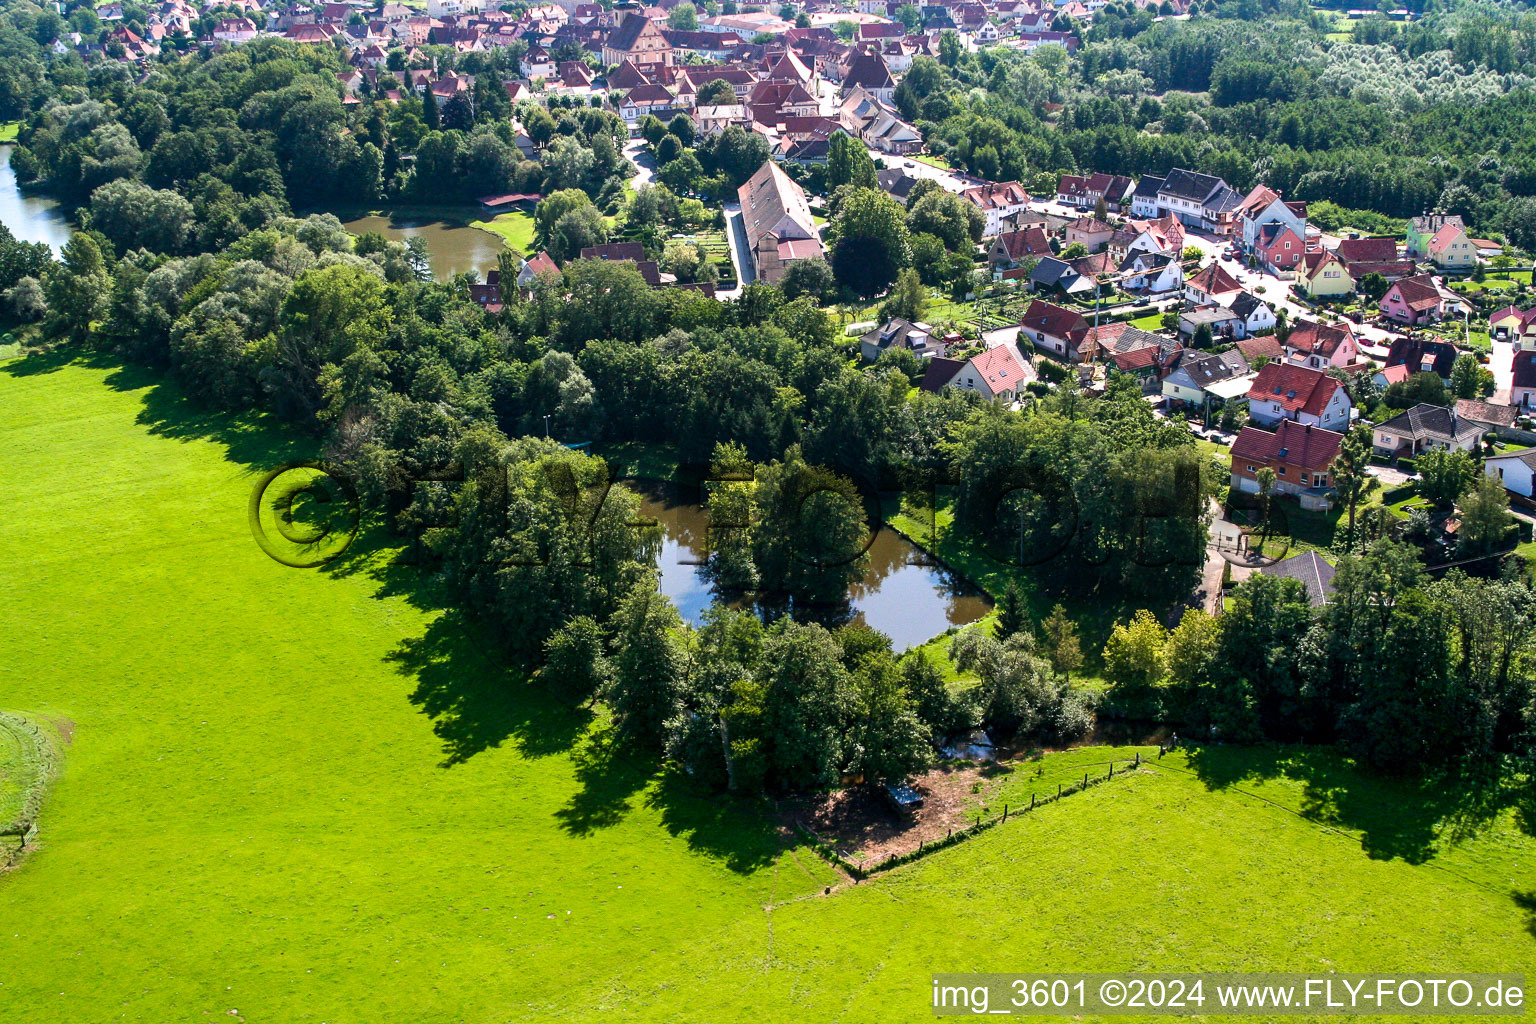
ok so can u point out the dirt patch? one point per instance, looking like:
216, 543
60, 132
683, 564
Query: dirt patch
65, 727
859, 823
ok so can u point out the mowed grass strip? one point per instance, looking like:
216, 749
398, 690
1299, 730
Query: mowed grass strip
314, 796
514, 227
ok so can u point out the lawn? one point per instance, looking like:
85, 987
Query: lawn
514, 227
311, 796
1150, 322
9, 130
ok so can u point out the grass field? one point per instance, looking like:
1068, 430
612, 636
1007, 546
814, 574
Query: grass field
514, 227
310, 796
9, 130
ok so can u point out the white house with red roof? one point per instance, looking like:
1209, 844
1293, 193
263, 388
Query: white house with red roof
999, 372
1212, 285
1285, 391
999, 203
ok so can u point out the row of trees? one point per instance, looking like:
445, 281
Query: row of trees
1411, 674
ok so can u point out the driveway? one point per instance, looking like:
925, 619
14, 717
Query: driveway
1388, 476
1502, 362
645, 165
736, 235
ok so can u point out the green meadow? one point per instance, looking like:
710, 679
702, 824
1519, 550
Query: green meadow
316, 796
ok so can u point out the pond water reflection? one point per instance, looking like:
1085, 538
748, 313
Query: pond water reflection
899, 594
31, 217
454, 248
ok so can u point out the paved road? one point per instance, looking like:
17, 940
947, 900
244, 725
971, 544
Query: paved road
645, 165
736, 235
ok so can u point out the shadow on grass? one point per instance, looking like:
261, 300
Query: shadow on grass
610, 777
1526, 901
256, 440
476, 699
739, 833
1397, 819
460, 674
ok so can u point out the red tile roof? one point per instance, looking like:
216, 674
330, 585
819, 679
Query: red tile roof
1296, 444
1295, 388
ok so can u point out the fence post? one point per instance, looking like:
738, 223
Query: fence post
1058, 791
1031, 801
1005, 812
1085, 780
1111, 770
1138, 759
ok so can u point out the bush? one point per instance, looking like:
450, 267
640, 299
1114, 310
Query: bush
1406, 464
1052, 371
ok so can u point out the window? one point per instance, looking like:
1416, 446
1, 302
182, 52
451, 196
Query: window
1281, 471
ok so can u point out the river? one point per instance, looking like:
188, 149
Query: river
454, 248
899, 595
29, 216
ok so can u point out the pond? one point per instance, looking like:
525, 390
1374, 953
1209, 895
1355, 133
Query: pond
30, 217
901, 595
454, 248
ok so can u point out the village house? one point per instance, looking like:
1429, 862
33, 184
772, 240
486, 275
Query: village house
1084, 192
998, 373
1319, 346
1413, 301
1311, 571
1324, 275
1212, 285
1263, 208
1285, 391
779, 226
1090, 232
1012, 248
1199, 200
917, 338
1301, 456
1522, 392
539, 267
1423, 355
1515, 470
1153, 273
1055, 329
1254, 314
637, 38
1421, 429
1279, 248
869, 72
1374, 255
999, 202
1488, 417
1194, 382
1224, 324
1422, 229
1161, 235
1515, 326
1451, 250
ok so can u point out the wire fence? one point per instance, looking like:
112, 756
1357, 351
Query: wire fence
859, 872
